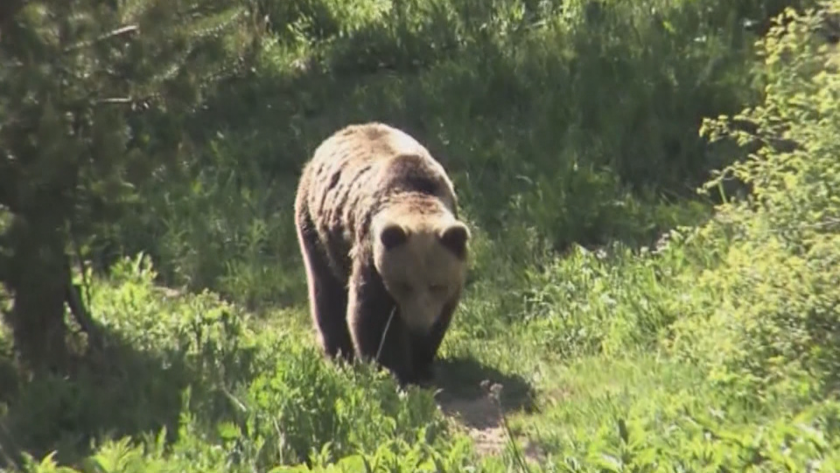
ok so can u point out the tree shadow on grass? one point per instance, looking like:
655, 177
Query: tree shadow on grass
466, 379
115, 392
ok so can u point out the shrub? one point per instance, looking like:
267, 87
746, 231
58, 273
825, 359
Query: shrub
772, 314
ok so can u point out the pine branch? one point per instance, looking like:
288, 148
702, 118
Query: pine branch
195, 37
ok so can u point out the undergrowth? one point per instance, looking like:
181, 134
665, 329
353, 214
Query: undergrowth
627, 331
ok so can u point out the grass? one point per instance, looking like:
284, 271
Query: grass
235, 391
679, 337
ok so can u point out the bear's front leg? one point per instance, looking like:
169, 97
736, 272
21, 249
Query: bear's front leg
369, 308
425, 346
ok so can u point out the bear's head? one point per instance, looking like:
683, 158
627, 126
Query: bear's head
422, 260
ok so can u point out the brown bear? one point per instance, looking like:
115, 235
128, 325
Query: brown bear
383, 246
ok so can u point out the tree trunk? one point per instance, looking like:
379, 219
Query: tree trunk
38, 279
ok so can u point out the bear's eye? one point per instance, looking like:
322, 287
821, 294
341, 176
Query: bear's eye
436, 288
404, 287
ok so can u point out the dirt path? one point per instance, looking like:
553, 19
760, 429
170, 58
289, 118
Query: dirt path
481, 417
482, 420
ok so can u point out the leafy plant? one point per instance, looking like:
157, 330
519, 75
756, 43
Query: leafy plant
92, 97
778, 314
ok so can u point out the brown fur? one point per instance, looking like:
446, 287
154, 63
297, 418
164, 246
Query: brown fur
373, 200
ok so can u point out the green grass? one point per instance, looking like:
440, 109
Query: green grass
676, 336
645, 412
233, 391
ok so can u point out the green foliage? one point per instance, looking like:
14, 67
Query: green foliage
121, 457
574, 120
75, 77
220, 229
777, 316
193, 365
692, 343
597, 302
645, 414
91, 98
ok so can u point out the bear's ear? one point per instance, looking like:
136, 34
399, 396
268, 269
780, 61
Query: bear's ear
392, 235
455, 238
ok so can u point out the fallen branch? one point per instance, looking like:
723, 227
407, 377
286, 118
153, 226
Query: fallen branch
111, 34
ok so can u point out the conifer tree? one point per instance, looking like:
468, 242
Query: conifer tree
93, 94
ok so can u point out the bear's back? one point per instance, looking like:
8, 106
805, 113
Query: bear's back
361, 145
374, 160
